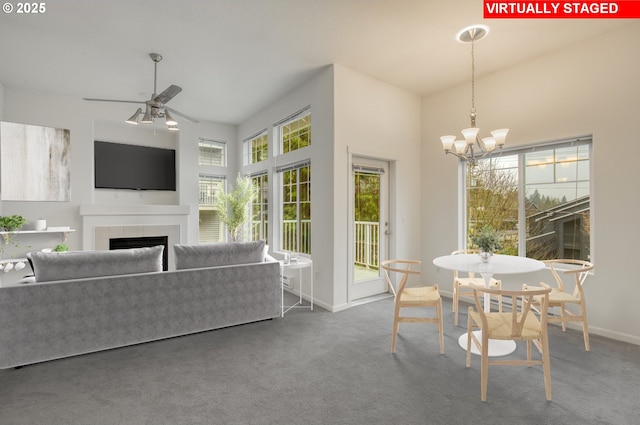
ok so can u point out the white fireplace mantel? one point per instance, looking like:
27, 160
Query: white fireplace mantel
111, 210
98, 221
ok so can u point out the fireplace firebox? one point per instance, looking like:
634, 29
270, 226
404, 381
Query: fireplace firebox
143, 242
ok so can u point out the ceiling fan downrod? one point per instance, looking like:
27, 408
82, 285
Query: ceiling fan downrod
155, 57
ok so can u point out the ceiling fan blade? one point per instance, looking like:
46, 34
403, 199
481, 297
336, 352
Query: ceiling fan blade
114, 100
173, 111
168, 94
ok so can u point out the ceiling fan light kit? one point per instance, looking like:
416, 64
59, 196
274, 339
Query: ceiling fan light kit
134, 118
156, 106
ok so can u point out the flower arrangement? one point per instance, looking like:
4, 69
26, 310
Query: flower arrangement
486, 240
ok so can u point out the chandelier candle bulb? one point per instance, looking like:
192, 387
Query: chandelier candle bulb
470, 135
447, 142
460, 145
500, 136
489, 143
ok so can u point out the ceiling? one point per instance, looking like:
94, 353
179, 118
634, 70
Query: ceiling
234, 57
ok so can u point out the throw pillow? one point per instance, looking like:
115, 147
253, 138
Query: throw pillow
218, 254
49, 266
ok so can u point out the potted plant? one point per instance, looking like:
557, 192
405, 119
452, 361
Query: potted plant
61, 247
233, 206
487, 241
12, 223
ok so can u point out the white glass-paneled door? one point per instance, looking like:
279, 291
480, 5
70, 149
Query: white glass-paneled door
369, 226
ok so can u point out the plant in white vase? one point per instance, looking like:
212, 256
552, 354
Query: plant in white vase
487, 241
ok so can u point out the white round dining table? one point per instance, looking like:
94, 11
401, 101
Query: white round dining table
497, 265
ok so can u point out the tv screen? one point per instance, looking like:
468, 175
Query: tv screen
123, 166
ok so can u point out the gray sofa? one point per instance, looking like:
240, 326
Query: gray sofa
82, 302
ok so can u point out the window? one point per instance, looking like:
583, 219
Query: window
296, 208
211, 228
211, 152
538, 198
296, 132
259, 208
256, 148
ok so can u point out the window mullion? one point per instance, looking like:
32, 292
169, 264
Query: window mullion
298, 212
522, 210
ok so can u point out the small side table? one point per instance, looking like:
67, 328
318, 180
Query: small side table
301, 263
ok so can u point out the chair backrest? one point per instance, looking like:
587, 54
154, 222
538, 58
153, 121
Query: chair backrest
464, 251
580, 271
521, 302
404, 268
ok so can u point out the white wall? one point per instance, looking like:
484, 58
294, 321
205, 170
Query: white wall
591, 88
351, 113
1, 102
376, 120
317, 92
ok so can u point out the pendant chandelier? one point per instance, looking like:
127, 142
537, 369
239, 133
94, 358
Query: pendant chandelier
472, 147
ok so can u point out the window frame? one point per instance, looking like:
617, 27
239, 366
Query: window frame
280, 125
248, 148
222, 181
212, 143
521, 152
299, 243
262, 203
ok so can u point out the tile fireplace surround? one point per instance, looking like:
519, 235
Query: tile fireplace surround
101, 223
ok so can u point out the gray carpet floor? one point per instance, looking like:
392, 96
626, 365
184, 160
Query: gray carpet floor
324, 368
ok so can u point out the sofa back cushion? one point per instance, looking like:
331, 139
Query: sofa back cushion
218, 254
49, 266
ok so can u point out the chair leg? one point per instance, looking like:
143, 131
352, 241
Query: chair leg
585, 326
563, 317
484, 372
396, 323
546, 365
440, 329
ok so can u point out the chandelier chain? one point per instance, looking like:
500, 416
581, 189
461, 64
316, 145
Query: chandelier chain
473, 85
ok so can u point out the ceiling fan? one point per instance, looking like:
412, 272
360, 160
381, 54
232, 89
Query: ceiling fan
156, 106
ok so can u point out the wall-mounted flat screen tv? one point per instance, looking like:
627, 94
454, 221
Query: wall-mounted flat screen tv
124, 166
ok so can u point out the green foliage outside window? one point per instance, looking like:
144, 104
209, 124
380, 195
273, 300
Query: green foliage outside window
233, 206
367, 197
555, 203
296, 134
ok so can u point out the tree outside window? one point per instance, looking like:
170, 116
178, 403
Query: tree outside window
296, 210
540, 196
260, 208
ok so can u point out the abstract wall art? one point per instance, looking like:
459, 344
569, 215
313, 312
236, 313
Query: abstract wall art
34, 163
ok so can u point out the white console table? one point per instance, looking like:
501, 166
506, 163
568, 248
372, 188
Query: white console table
300, 264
